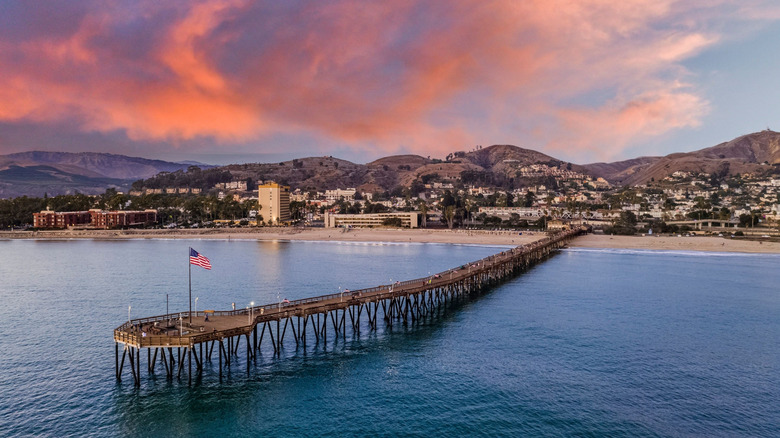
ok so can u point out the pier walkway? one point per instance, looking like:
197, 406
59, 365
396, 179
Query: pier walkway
171, 340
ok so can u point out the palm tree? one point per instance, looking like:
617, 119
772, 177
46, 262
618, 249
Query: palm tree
423, 206
449, 215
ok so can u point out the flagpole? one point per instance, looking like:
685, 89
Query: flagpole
189, 265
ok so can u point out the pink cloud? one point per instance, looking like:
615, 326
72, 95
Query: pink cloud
429, 77
605, 131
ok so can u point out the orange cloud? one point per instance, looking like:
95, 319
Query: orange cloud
587, 75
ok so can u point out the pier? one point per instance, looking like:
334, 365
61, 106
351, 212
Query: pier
174, 345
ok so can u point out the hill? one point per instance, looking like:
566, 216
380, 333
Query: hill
619, 171
496, 165
37, 173
750, 153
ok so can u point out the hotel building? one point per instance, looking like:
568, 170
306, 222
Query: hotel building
61, 219
94, 218
274, 200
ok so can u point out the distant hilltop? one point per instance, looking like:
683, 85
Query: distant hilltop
746, 154
36, 173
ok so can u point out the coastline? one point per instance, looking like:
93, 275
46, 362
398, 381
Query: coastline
418, 235
457, 236
674, 243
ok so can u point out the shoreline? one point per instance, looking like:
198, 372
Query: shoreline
674, 243
457, 236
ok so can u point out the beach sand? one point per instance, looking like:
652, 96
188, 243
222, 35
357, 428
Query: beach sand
694, 243
312, 234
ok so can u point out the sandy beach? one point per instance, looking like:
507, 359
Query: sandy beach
694, 243
312, 234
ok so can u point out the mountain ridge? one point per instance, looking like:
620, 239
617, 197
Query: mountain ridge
748, 153
36, 172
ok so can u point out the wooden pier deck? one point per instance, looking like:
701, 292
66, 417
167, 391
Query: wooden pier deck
171, 340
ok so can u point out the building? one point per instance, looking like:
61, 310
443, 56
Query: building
232, 185
506, 212
93, 219
119, 218
557, 225
274, 200
334, 195
60, 219
407, 220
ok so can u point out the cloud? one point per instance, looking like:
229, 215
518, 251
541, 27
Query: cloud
425, 77
605, 131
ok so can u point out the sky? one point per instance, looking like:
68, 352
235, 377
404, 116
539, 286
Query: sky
221, 81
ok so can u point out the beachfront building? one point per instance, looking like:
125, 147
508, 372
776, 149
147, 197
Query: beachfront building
274, 200
373, 220
558, 225
119, 218
60, 219
95, 218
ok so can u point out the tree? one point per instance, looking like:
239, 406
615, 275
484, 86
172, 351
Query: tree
429, 177
392, 222
423, 207
297, 210
490, 220
514, 220
748, 220
19, 211
374, 208
530, 197
625, 224
416, 188
447, 200
449, 215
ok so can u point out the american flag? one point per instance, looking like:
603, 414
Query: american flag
199, 259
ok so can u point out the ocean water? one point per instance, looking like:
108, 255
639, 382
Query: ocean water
589, 343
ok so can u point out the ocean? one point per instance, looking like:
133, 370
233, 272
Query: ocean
591, 342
